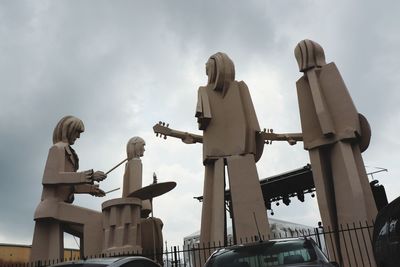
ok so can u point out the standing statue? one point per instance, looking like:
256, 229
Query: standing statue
55, 213
227, 117
335, 134
231, 139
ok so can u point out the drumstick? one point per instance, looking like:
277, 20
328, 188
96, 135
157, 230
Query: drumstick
112, 190
116, 166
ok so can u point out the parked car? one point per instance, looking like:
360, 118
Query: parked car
133, 261
386, 237
282, 252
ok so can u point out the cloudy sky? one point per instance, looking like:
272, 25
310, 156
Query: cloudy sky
122, 66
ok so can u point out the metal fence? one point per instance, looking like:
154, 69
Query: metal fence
350, 245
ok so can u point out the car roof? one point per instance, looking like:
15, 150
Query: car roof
105, 261
262, 243
281, 240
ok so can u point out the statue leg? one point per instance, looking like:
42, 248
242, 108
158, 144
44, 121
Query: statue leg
249, 211
48, 241
322, 175
213, 210
369, 200
93, 235
354, 203
92, 226
351, 198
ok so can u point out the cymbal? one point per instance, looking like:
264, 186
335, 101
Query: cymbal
153, 190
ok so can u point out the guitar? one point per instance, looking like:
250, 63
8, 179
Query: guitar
162, 130
292, 138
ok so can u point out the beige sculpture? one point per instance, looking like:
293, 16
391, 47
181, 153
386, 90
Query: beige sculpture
335, 134
151, 227
152, 237
133, 168
226, 115
230, 139
121, 216
55, 214
127, 227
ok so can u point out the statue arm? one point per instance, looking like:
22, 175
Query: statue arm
324, 117
92, 189
203, 110
249, 107
54, 171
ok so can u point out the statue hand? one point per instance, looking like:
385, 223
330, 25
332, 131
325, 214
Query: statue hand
99, 176
88, 176
291, 141
96, 191
188, 139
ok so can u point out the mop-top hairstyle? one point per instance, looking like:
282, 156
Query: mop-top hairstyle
132, 146
220, 71
66, 127
309, 54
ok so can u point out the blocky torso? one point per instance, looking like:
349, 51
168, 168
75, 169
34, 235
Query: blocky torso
60, 192
233, 123
338, 101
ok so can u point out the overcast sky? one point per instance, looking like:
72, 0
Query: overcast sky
121, 66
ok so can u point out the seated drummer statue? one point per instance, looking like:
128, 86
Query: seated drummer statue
55, 213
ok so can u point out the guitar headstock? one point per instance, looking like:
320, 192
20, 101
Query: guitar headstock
162, 129
267, 133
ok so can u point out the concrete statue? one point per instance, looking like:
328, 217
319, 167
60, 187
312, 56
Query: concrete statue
151, 227
334, 134
231, 139
227, 117
55, 213
133, 168
121, 216
122, 227
126, 222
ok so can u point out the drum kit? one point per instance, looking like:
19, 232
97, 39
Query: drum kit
148, 192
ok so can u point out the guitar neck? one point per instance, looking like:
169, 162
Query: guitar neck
183, 135
282, 137
189, 138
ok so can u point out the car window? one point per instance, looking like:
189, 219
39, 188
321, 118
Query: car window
140, 263
267, 254
394, 229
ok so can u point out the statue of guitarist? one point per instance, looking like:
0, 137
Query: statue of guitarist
227, 117
232, 139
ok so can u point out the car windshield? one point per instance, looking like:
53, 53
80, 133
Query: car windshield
265, 254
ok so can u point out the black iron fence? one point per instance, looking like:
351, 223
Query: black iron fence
349, 245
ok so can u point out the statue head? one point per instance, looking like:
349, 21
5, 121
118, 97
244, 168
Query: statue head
220, 71
135, 147
309, 54
67, 130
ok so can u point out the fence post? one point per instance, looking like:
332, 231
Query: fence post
175, 257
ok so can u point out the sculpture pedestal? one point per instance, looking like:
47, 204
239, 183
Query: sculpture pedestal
121, 225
